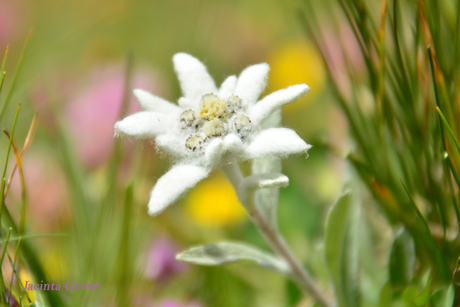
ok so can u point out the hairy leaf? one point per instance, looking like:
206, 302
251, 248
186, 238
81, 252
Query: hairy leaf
229, 252
341, 247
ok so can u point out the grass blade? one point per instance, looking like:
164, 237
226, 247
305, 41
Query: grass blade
2, 192
23, 185
14, 267
449, 130
27, 142
123, 256
2, 281
13, 83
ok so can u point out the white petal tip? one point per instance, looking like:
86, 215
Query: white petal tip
306, 88
139, 93
173, 185
184, 58
118, 129
152, 212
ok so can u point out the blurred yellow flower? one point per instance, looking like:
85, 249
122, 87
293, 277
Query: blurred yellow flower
55, 264
295, 64
213, 203
26, 276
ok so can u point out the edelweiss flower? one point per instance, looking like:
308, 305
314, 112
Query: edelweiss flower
211, 126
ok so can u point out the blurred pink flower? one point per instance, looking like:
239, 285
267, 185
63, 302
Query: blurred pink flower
93, 111
342, 49
9, 21
47, 191
170, 303
161, 260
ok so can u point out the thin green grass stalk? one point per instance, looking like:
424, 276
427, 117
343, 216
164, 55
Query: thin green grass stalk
2, 79
399, 52
117, 152
343, 103
449, 130
2, 281
105, 211
354, 28
5, 245
443, 140
32, 262
452, 169
41, 236
15, 77
456, 63
2, 69
124, 250
382, 55
22, 219
437, 253
457, 181
448, 163
16, 273
27, 142
16, 254
2, 192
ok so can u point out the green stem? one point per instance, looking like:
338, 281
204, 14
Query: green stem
274, 238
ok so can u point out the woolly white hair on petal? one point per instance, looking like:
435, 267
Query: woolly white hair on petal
172, 185
233, 144
265, 107
172, 144
153, 103
186, 103
214, 152
144, 124
195, 80
276, 142
227, 87
251, 83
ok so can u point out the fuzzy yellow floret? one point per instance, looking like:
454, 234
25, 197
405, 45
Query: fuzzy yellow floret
213, 127
212, 107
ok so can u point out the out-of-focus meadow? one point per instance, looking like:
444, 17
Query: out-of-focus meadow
73, 77
86, 193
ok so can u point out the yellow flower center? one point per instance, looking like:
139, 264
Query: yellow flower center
212, 107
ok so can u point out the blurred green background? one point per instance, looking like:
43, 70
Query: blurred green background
73, 75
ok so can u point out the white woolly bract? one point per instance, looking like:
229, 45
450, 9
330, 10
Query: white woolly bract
251, 83
193, 76
228, 87
153, 103
275, 101
172, 185
144, 124
276, 142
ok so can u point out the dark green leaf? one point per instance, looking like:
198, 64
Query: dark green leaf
402, 260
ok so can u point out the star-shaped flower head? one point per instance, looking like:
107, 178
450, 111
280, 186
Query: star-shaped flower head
211, 126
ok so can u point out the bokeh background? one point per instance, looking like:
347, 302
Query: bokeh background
73, 76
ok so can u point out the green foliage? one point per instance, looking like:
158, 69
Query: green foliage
229, 252
402, 260
406, 128
341, 249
